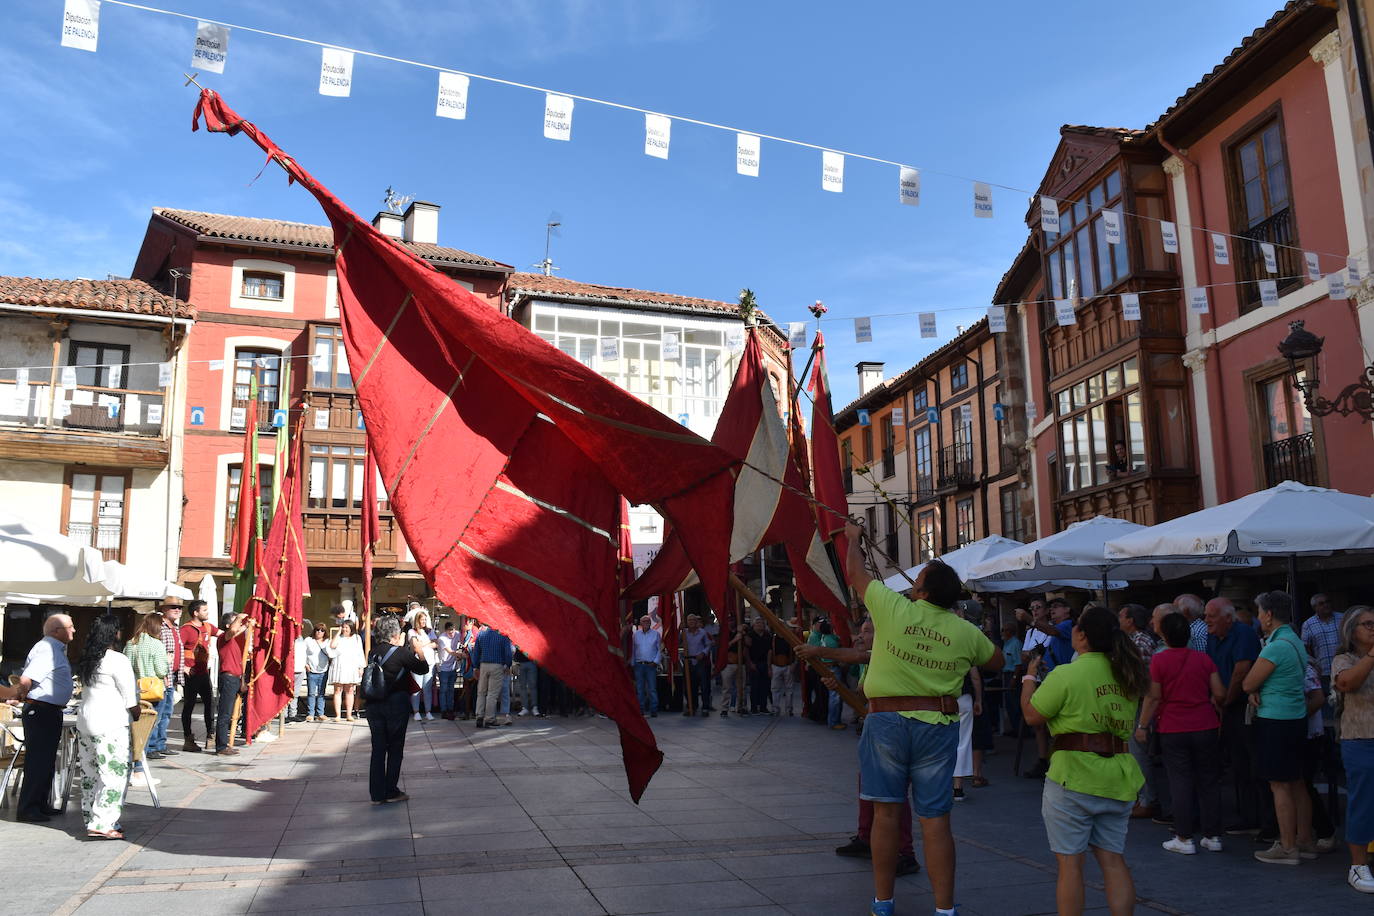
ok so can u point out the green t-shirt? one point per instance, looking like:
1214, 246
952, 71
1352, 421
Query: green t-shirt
1083, 696
919, 650
1282, 695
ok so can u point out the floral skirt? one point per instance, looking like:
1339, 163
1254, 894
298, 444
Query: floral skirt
104, 761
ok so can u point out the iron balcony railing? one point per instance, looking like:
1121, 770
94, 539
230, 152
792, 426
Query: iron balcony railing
1294, 458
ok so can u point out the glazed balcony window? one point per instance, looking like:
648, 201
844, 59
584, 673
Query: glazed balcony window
1080, 262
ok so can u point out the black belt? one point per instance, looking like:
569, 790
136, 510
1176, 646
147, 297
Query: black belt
45, 703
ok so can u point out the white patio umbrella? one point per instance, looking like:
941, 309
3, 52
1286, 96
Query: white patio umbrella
43, 562
1074, 558
206, 592
116, 581
1289, 520
961, 561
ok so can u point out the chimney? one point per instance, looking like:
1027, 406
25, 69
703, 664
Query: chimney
388, 223
870, 376
422, 222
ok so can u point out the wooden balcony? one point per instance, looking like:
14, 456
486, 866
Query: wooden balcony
333, 537
85, 424
956, 468
1142, 499
343, 412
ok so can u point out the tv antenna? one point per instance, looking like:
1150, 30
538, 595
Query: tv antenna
551, 226
396, 203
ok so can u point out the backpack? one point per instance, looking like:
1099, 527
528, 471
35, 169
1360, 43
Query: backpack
375, 686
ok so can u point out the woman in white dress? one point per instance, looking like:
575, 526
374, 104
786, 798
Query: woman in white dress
424, 700
345, 669
109, 699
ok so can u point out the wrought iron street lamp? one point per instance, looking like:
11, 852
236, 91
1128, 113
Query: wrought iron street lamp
1301, 348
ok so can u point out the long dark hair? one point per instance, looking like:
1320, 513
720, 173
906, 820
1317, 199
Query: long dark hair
1103, 632
104, 634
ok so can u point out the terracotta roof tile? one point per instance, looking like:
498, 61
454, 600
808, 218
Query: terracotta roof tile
563, 288
301, 235
1116, 133
130, 296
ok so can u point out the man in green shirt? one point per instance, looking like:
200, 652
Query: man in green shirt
921, 652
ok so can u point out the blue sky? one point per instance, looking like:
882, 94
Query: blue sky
94, 141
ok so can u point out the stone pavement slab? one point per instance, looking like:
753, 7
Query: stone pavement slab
743, 818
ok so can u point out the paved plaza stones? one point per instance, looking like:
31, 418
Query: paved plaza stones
742, 819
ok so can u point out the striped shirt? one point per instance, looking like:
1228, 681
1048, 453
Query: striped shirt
1322, 639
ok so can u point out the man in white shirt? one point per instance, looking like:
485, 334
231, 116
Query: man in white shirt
46, 685
1037, 638
648, 652
450, 653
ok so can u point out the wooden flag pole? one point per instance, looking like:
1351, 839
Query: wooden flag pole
794, 640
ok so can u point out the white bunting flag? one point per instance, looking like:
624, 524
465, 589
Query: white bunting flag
1269, 292
610, 348
966, 413
734, 340
83, 397
1314, 267
832, 171
21, 377
154, 412
1064, 313
1168, 233
1335, 286
322, 418
1111, 226
658, 131
557, 116
1130, 306
164, 375
216, 365
238, 417
1197, 300
1271, 260
982, 200
747, 155
1031, 412
796, 334
997, 319
863, 330
260, 362
69, 377
1049, 214
452, 100
336, 72
111, 405
64, 409
81, 24
927, 320
1352, 270
899, 416
212, 47
670, 342
1220, 253
909, 186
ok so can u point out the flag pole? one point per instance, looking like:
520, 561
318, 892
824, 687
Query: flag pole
793, 640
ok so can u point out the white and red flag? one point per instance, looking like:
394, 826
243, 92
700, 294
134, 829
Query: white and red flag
772, 502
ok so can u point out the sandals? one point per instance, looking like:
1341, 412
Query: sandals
980, 782
104, 835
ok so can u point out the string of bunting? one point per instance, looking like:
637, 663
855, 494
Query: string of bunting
210, 52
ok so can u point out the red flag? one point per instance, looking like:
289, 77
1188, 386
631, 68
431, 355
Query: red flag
832, 507
370, 530
766, 511
504, 459
246, 517
668, 624
275, 609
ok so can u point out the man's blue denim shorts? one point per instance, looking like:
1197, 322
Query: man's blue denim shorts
896, 751
1074, 820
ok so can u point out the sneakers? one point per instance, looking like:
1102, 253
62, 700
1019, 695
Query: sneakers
1210, 843
907, 865
429, 717
1327, 843
959, 794
416, 717
854, 849
227, 752
1361, 879
1277, 855
398, 797
537, 713
883, 908
154, 755
1179, 845
1308, 851
523, 712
